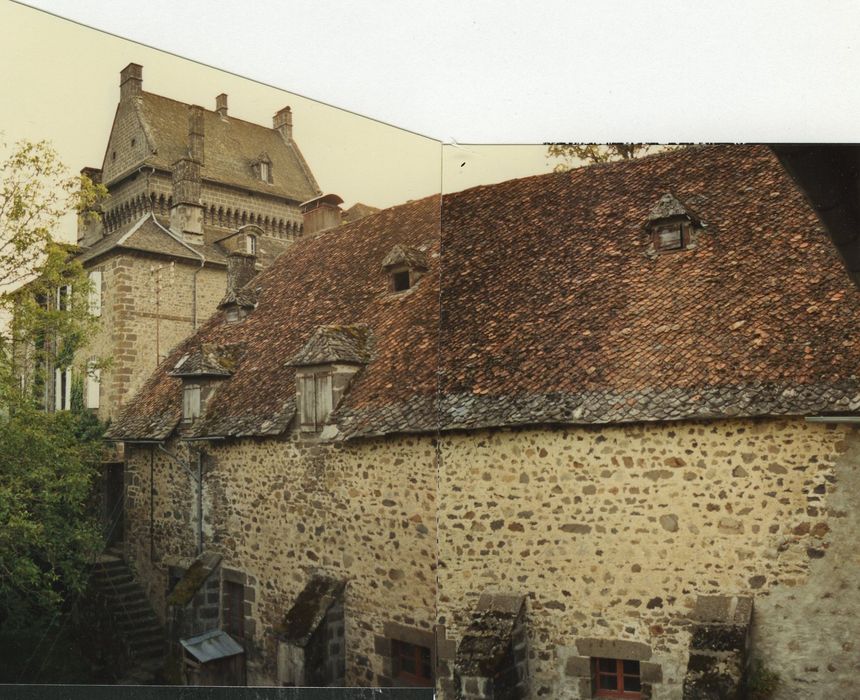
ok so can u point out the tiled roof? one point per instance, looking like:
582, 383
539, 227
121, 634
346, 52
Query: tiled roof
327, 344
149, 236
553, 312
230, 146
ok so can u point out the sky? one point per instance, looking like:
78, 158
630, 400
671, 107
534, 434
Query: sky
67, 85
468, 76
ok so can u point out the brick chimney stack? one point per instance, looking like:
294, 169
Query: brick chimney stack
221, 105
283, 123
195, 133
321, 213
130, 81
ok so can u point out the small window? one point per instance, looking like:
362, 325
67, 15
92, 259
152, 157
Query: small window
133, 142
233, 609
616, 678
669, 237
232, 315
190, 403
411, 664
315, 400
264, 171
251, 244
62, 389
113, 156
401, 281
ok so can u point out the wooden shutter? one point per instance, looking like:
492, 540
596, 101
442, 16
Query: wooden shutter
96, 293
94, 378
322, 389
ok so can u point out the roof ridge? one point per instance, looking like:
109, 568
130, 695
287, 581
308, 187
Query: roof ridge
230, 117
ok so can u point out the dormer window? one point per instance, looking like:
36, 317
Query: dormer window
404, 266
190, 403
672, 226
325, 367
669, 237
262, 168
200, 371
401, 280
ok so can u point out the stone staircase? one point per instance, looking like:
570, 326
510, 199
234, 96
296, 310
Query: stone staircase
135, 621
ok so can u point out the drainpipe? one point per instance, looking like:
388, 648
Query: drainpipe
199, 502
152, 506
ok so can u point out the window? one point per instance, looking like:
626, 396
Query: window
251, 244
191, 403
616, 678
670, 237
233, 609
400, 280
315, 399
264, 171
64, 295
411, 663
62, 389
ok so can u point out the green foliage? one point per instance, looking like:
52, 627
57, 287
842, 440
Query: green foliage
48, 465
48, 461
574, 155
762, 682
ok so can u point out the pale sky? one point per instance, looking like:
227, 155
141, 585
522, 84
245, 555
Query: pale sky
60, 81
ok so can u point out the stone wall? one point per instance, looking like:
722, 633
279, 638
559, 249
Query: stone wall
613, 533
615, 536
139, 327
282, 510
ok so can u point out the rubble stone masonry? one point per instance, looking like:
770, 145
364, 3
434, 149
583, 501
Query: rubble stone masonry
279, 511
614, 532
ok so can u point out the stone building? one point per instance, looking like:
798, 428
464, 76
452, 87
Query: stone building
579, 435
188, 187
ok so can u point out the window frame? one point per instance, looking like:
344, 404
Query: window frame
416, 653
619, 674
681, 228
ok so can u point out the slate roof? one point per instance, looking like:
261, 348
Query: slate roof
327, 344
551, 309
229, 147
208, 360
149, 235
405, 255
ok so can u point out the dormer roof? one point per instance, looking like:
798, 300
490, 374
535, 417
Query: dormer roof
406, 256
208, 360
335, 343
669, 206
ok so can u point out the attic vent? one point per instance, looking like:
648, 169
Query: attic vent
405, 266
672, 225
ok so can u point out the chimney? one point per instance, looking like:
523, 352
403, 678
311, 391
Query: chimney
130, 81
195, 133
321, 213
241, 269
221, 105
186, 214
282, 122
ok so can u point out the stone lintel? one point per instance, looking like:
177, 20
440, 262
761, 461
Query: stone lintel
613, 649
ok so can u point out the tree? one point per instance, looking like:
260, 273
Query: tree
574, 155
48, 461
